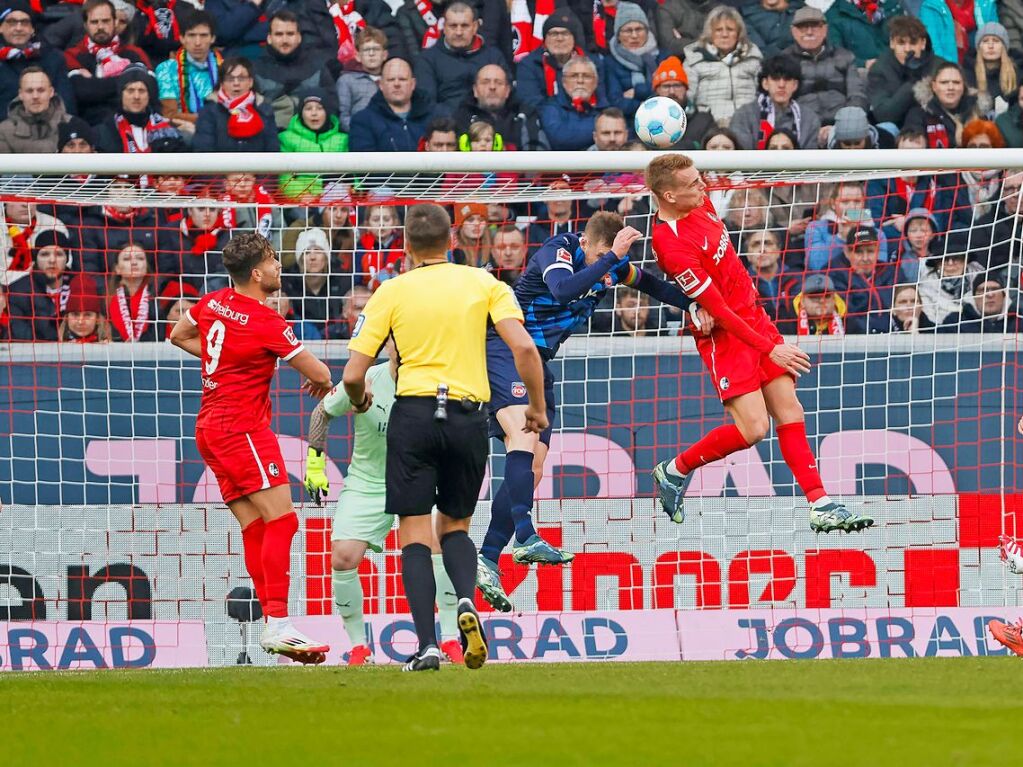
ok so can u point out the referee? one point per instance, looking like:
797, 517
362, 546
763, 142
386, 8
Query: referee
437, 448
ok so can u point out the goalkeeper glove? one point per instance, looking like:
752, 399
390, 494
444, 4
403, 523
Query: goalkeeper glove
316, 483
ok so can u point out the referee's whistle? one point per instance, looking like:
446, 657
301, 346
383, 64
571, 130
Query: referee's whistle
441, 413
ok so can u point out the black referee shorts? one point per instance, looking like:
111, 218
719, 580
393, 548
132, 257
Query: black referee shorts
434, 462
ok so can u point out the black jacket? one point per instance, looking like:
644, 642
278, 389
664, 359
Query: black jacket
970, 321
890, 85
51, 62
33, 313
445, 76
378, 129
211, 131
279, 78
519, 125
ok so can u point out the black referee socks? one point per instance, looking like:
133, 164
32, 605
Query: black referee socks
460, 562
421, 589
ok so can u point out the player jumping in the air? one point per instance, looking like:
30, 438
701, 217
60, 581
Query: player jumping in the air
558, 292
360, 521
753, 369
240, 340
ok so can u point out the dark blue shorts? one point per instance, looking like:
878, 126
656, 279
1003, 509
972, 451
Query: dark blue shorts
506, 388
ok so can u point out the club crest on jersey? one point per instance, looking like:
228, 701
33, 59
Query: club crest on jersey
358, 325
725, 383
563, 256
518, 390
273, 470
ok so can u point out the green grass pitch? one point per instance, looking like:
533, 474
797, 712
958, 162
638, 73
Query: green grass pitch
933, 712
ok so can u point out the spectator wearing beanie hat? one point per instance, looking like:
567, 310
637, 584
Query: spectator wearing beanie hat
951, 25
852, 130
632, 60
316, 294
994, 73
19, 49
990, 312
670, 81
83, 321
312, 129
34, 117
76, 137
538, 75
137, 124
39, 300
471, 235
776, 108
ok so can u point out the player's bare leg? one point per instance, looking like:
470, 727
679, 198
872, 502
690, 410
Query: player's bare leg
280, 523
345, 557
779, 396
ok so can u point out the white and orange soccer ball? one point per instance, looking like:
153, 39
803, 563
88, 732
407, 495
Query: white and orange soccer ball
660, 122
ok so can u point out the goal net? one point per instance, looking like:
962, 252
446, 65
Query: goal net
897, 272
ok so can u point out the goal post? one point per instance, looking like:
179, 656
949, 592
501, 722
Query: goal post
115, 547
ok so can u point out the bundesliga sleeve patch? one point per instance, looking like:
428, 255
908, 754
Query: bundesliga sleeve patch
563, 256
358, 325
688, 280
289, 336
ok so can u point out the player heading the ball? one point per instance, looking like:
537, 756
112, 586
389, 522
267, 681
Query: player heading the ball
239, 340
753, 369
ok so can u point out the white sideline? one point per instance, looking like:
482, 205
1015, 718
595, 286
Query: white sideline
502, 162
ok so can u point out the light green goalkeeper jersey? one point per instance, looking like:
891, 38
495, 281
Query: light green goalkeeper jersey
369, 453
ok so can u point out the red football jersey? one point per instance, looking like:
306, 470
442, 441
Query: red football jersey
696, 252
241, 342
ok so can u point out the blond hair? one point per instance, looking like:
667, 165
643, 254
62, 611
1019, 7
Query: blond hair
1006, 74
718, 15
660, 172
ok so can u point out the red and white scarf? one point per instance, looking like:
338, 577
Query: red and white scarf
347, 21
202, 240
434, 25
835, 326
10, 53
261, 198
21, 250
528, 30
108, 61
381, 261
130, 143
600, 23
162, 21
768, 116
130, 314
244, 122
908, 190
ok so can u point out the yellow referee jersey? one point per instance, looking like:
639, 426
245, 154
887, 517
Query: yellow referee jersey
437, 314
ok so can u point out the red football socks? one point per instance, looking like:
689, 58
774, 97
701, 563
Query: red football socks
252, 543
276, 561
800, 459
718, 443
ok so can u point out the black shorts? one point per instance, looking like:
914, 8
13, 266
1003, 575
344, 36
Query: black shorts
434, 462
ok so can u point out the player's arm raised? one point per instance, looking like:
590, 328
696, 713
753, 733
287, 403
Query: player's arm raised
567, 286
317, 375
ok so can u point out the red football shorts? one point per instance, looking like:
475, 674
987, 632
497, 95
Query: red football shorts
735, 367
243, 462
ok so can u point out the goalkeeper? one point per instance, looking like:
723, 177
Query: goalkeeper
359, 519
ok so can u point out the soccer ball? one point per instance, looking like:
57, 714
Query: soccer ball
660, 122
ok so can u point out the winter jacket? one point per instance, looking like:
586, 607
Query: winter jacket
679, 23
33, 314
937, 17
403, 26
698, 125
970, 321
279, 78
319, 308
831, 80
22, 132
722, 85
942, 128
890, 85
239, 23
378, 129
621, 76
1010, 123
97, 97
941, 297
531, 85
1010, 12
770, 31
865, 298
884, 200
211, 131
50, 61
849, 27
518, 124
445, 76
299, 138
824, 244
158, 48
182, 255
746, 121
355, 89
567, 128
104, 235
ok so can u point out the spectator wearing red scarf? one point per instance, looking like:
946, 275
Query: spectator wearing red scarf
38, 301
19, 49
110, 227
137, 127
235, 119
94, 64
569, 118
380, 251
131, 296
538, 75
191, 246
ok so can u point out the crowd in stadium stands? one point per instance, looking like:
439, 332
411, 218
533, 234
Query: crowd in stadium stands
932, 253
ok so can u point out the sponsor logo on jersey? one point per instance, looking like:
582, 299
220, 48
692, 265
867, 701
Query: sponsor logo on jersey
722, 247
687, 280
358, 325
563, 256
725, 383
289, 336
274, 471
209, 383
518, 390
227, 312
